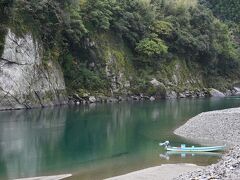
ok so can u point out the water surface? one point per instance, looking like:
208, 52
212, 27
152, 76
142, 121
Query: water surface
98, 141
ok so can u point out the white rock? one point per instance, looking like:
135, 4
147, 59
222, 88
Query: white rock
155, 82
216, 93
92, 99
237, 91
181, 95
152, 98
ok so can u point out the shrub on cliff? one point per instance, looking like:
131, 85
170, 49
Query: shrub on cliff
152, 47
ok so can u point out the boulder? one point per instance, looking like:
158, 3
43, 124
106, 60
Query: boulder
92, 99
200, 94
156, 89
85, 95
155, 83
135, 98
188, 93
145, 97
216, 93
171, 95
152, 98
181, 95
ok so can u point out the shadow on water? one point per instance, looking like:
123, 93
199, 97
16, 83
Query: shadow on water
97, 141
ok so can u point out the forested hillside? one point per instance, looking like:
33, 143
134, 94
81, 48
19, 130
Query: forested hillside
225, 9
118, 46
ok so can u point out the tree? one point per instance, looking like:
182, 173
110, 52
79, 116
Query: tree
152, 47
98, 13
132, 19
225, 9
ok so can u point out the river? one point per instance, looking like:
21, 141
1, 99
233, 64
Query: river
98, 141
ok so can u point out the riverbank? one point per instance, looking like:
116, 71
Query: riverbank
87, 98
160, 172
220, 127
217, 126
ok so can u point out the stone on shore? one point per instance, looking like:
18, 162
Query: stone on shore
152, 98
216, 126
92, 99
223, 125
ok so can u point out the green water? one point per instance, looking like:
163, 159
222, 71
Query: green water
97, 141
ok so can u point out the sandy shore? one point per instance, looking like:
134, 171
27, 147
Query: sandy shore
221, 127
56, 177
164, 172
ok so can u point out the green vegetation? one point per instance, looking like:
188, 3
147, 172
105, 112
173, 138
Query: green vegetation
151, 47
153, 32
225, 9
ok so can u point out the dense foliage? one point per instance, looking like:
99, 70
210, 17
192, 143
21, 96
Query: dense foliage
225, 9
153, 30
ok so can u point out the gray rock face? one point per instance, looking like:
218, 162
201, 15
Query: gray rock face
25, 82
216, 93
116, 75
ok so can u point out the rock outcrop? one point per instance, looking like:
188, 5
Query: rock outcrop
216, 93
25, 81
236, 91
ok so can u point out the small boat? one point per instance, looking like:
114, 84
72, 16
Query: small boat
183, 148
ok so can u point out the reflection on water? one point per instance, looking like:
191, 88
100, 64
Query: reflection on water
171, 154
96, 141
25, 137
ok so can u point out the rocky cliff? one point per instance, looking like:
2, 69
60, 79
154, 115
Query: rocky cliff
29, 81
124, 75
110, 50
25, 80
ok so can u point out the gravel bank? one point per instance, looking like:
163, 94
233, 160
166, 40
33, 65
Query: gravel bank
216, 126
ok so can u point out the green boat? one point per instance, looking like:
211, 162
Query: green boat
183, 148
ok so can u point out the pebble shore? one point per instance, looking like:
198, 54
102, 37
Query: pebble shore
217, 126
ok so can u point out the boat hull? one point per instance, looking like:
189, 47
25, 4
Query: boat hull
196, 149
